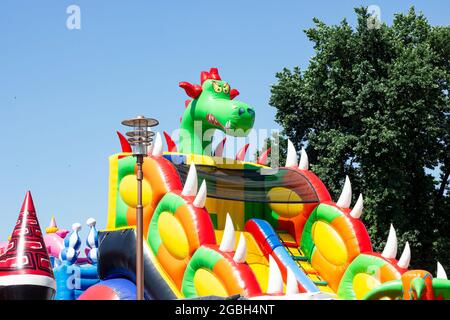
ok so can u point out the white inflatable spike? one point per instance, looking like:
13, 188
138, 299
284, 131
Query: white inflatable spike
291, 282
241, 250
92, 238
304, 163
405, 258
91, 222
275, 284
390, 249
150, 150
190, 186
157, 146
200, 199
441, 274
358, 208
345, 199
76, 227
228, 239
74, 238
291, 157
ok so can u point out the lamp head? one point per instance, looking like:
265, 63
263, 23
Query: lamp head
141, 136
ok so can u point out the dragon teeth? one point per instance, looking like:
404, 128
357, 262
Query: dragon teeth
211, 119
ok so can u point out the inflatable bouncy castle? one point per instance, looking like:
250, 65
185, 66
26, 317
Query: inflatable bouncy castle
219, 227
214, 227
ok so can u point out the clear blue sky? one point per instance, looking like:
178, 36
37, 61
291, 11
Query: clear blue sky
64, 92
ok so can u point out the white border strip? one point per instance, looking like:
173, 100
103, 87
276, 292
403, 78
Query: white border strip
28, 279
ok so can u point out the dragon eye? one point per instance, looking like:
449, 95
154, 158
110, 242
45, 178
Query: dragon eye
226, 88
216, 87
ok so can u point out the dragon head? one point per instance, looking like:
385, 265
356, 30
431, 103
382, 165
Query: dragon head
215, 107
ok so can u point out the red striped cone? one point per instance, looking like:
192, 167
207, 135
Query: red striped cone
25, 267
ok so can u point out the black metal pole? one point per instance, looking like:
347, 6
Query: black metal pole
139, 231
140, 138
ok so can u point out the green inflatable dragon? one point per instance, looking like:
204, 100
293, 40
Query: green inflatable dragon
213, 108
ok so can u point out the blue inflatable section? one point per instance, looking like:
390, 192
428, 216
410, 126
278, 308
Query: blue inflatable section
281, 253
73, 279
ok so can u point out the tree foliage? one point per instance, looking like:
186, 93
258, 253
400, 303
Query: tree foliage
373, 104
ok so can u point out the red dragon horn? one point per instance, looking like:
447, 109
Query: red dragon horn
233, 93
204, 75
262, 159
192, 90
171, 146
124, 143
214, 74
241, 153
219, 149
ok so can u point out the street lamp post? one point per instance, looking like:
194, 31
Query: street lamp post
140, 139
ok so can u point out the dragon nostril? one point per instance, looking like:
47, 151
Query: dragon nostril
251, 111
241, 111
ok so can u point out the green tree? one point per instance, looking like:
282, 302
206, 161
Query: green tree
373, 104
